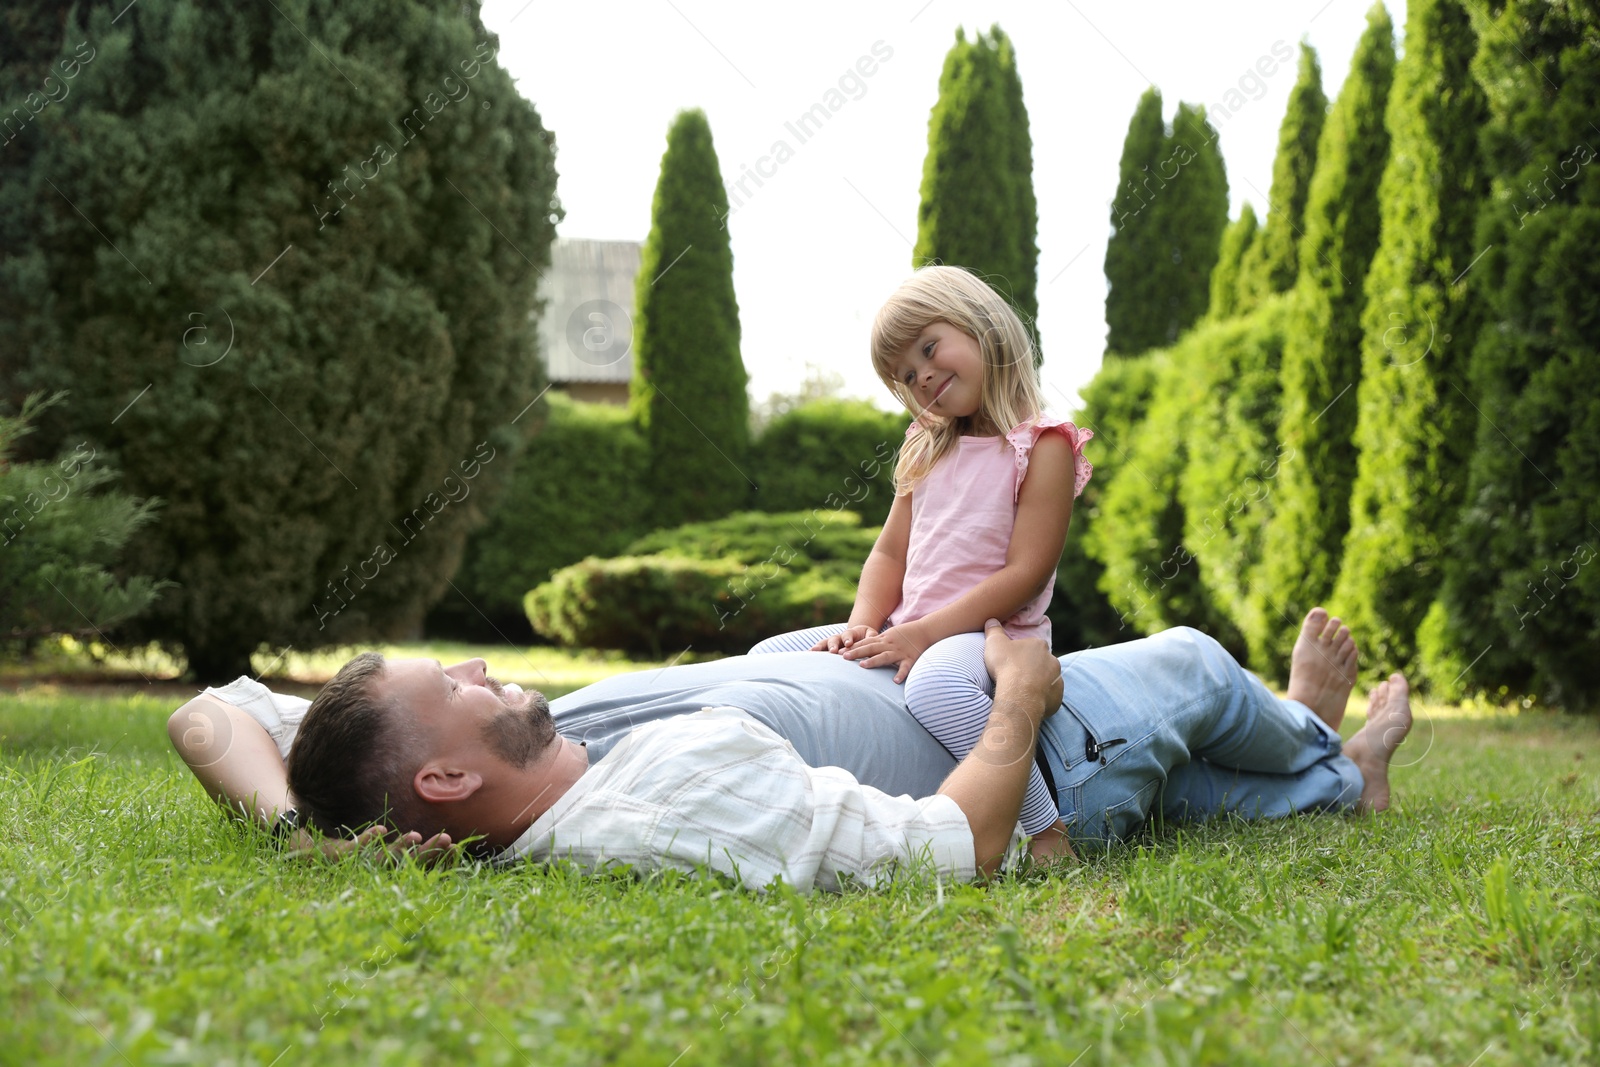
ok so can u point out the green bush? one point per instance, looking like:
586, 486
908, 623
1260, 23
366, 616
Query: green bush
1113, 404
295, 184
1237, 240
1178, 527
1229, 487
60, 534
829, 453
711, 586
577, 489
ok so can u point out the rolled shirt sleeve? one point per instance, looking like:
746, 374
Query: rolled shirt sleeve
723, 791
278, 713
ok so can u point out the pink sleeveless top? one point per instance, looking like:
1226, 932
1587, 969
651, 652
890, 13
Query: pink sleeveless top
961, 519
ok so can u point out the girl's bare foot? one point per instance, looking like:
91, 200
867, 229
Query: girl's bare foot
1373, 746
1322, 668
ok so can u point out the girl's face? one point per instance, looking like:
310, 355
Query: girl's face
943, 371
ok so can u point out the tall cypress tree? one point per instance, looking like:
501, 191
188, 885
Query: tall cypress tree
1322, 356
1191, 213
1226, 486
1416, 420
1520, 608
1135, 297
1024, 279
1237, 240
1138, 534
978, 209
688, 387
355, 197
1114, 403
1273, 263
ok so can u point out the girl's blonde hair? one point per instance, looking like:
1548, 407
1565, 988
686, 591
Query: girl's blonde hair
1010, 393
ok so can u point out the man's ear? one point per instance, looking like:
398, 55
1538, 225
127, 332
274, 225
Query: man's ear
440, 783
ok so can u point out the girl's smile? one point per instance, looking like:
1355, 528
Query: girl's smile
943, 371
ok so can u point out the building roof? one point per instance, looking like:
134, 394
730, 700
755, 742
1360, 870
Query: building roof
586, 333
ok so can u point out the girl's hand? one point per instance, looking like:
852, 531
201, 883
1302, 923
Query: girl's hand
898, 646
848, 639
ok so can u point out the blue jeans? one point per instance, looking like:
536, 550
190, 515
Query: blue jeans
1173, 723
950, 693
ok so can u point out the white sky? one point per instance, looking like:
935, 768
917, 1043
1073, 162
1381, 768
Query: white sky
821, 243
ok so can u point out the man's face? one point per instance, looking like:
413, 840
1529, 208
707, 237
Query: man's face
460, 708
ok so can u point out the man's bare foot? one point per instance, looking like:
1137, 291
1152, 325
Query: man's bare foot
1322, 669
1371, 749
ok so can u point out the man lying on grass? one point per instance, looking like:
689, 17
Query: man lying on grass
1170, 720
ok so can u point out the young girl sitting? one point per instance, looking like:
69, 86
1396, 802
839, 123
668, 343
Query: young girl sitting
983, 497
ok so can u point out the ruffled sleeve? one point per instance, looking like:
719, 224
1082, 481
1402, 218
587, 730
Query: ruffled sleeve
1024, 437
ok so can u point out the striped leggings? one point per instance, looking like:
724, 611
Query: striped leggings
950, 693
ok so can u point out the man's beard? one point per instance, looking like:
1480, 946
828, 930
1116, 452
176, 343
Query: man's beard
524, 730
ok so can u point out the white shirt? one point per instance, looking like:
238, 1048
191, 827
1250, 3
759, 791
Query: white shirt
719, 789
278, 713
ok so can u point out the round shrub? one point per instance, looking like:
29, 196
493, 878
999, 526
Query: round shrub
711, 586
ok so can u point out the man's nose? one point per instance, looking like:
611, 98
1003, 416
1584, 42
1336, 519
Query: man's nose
473, 671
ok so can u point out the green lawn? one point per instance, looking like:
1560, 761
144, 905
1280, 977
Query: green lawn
141, 926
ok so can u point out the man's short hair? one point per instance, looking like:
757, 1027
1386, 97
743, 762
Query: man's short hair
354, 757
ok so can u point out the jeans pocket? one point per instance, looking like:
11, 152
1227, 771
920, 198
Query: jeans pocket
1124, 819
1070, 736
1096, 824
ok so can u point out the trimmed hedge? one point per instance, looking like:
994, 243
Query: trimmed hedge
829, 454
711, 586
576, 490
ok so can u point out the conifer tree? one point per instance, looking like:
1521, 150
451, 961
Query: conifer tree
1272, 264
61, 531
688, 389
1237, 240
1225, 491
1135, 297
1322, 355
1520, 608
1114, 404
978, 208
1416, 418
353, 196
1191, 213
1138, 531
1024, 280
1167, 221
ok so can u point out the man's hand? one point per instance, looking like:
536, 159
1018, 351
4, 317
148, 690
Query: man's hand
898, 646
840, 642
1028, 666
304, 845
987, 786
